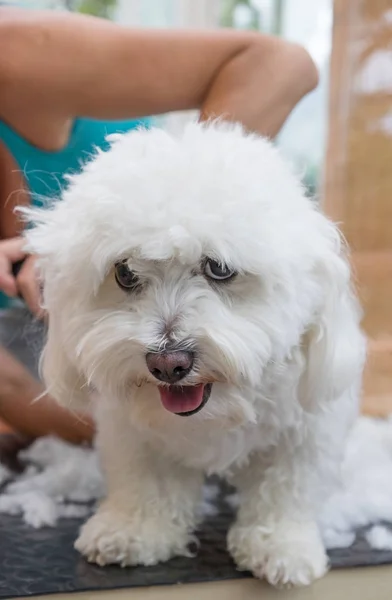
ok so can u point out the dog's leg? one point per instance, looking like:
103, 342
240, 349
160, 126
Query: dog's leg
151, 506
276, 535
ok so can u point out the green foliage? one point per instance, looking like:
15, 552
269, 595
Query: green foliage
227, 13
229, 6
97, 8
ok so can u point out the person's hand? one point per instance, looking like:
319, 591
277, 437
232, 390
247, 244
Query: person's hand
28, 285
11, 251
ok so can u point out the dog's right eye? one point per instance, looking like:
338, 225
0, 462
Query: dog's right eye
126, 278
217, 271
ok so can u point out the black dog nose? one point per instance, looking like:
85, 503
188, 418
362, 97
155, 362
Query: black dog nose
169, 367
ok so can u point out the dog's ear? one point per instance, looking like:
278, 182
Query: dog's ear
52, 228
62, 380
333, 347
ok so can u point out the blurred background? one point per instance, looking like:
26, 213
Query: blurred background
308, 22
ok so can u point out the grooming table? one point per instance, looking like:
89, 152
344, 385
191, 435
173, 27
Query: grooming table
43, 561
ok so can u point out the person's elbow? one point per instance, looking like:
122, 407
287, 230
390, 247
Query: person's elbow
289, 61
302, 67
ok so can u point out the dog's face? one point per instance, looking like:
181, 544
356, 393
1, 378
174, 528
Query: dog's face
176, 271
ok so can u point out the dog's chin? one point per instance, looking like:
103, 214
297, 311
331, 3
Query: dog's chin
186, 400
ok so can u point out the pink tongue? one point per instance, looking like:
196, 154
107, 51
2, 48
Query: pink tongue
178, 399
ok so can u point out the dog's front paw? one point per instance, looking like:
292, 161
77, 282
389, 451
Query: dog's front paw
292, 554
111, 537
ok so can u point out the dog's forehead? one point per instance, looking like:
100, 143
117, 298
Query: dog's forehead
209, 193
176, 248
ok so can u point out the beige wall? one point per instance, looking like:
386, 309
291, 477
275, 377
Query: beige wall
358, 180
359, 174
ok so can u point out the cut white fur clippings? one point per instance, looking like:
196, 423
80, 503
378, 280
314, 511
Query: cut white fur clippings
280, 343
379, 538
365, 496
62, 478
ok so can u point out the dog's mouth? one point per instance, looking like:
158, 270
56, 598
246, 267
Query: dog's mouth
187, 400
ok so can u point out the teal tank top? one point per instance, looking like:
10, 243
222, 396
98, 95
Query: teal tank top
45, 171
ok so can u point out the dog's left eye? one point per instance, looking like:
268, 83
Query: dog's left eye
217, 271
126, 278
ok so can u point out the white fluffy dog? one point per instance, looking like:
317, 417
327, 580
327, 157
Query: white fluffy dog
201, 305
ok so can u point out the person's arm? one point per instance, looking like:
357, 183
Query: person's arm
66, 65
19, 408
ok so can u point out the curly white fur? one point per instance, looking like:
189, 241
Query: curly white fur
281, 343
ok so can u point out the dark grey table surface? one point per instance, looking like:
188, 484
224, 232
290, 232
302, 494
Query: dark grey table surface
43, 561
